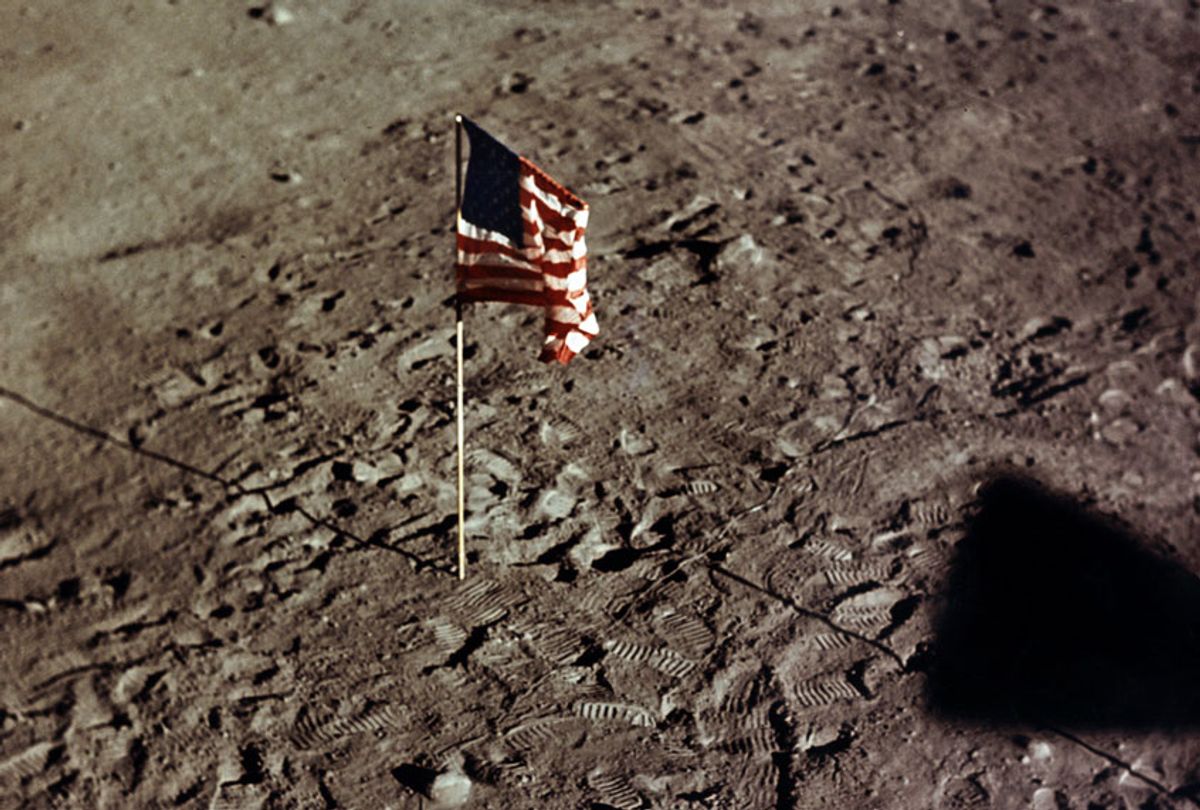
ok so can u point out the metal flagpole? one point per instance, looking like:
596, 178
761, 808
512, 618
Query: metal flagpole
458, 345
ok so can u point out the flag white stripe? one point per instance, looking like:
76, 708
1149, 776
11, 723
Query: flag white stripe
554, 203
473, 259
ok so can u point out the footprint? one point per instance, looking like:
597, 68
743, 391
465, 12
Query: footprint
536, 735
927, 513
310, 733
759, 742
693, 488
481, 602
755, 787
448, 637
665, 661
559, 430
922, 561
829, 550
687, 632
237, 796
615, 791
495, 465
737, 690
872, 609
824, 690
825, 642
559, 645
843, 575
28, 763
598, 711
863, 616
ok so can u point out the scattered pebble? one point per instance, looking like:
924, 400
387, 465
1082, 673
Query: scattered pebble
273, 15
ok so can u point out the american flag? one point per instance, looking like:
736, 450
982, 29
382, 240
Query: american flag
520, 240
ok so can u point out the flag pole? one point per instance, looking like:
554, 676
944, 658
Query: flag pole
458, 346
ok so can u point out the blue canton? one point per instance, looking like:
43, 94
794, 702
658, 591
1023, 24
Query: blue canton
491, 199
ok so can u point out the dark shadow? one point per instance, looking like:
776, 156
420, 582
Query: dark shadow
1056, 615
415, 777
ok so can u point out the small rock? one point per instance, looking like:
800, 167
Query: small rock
1173, 391
636, 444
450, 789
1123, 372
1115, 401
816, 735
834, 387
1191, 365
790, 448
192, 637
555, 504
1040, 751
741, 252
668, 273
1044, 326
1119, 432
1045, 799
1133, 479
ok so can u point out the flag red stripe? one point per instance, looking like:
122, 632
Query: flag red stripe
489, 289
537, 298
554, 243
483, 272
527, 297
553, 327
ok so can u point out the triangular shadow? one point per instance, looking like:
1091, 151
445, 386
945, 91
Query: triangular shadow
1057, 616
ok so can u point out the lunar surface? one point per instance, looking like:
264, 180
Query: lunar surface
880, 487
